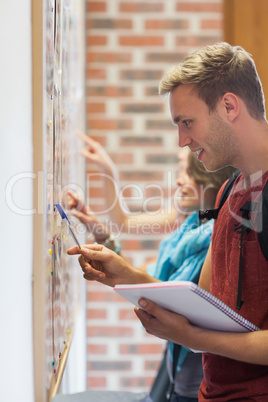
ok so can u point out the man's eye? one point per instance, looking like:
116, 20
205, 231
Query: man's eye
186, 122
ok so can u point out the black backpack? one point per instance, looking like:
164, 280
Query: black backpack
260, 207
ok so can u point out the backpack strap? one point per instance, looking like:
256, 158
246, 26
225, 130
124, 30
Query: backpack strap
213, 213
176, 353
262, 221
243, 227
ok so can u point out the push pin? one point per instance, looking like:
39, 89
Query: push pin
50, 251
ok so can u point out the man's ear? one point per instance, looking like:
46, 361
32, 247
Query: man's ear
231, 105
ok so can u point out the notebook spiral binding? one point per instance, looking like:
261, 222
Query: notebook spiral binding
226, 309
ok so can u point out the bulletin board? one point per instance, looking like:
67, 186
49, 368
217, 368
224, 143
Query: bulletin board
58, 110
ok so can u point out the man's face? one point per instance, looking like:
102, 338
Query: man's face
204, 132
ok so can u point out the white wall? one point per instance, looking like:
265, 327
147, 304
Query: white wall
16, 221
16, 362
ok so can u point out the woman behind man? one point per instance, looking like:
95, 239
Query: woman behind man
181, 254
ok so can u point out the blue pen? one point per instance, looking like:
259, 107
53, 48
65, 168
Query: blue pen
64, 216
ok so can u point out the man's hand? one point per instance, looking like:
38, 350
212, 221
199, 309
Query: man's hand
103, 265
163, 323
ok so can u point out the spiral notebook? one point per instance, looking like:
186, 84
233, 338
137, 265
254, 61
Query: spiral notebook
188, 299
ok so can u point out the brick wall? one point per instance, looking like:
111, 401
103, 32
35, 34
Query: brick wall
130, 44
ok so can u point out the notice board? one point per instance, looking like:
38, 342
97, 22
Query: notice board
58, 110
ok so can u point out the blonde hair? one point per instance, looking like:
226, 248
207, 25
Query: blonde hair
215, 70
211, 181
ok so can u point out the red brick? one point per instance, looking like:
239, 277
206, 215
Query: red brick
196, 41
108, 57
108, 23
120, 158
93, 349
166, 24
101, 296
95, 192
109, 124
143, 74
95, 6
199, 6
164, 159
96, 40
111, 365
142, 108
164, 57
95, 108
101, 139
109, 91
143, 349
93, 175
96, 382
211, 24
141, 7
109, 331
141, 40
134, 382
160, 125
141, 175
97, 73
99, 314
151, 91
142, 140
126, 191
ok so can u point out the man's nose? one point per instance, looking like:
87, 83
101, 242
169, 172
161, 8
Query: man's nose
183, 140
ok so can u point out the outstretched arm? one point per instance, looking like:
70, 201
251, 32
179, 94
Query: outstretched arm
115, 204
96, 154
251, 347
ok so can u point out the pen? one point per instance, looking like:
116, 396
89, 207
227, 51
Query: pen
64, 216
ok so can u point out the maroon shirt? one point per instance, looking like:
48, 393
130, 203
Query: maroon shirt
226, 379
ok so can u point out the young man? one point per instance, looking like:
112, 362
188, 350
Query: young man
217, 103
